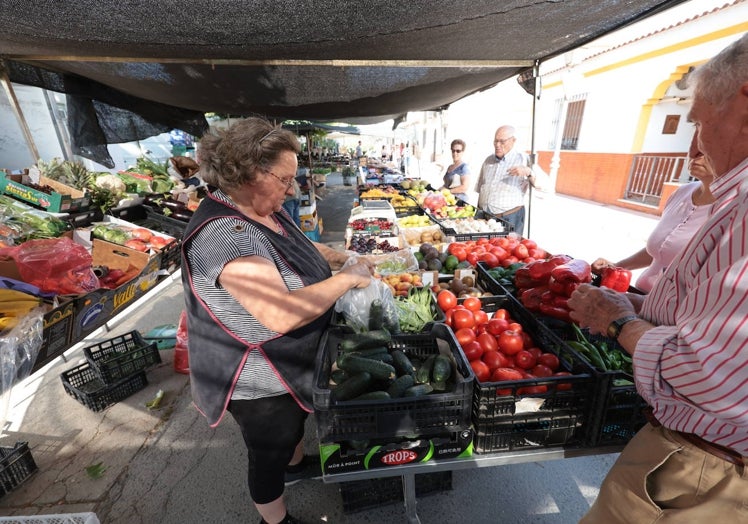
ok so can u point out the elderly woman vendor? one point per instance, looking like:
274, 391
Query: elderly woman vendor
259, 295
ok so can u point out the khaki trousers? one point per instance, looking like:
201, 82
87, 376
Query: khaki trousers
661, 478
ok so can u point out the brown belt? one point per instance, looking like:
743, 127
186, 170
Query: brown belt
505, 213
721, 452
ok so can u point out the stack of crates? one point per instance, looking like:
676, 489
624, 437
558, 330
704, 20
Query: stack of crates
114, 370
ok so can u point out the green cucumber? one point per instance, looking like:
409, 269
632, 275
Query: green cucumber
423, 375
339, 376
373, 395
399, 385
402, 363
353, 387
367, 340
376, 315
442, 369
418, 390
376, 368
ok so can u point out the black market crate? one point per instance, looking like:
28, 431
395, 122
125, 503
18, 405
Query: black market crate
16, 465
171, 256
359, 495
404, 211
464, 237
486, 281
159, 222
120, 357
85, 386
535, 412
400, 417
618, 408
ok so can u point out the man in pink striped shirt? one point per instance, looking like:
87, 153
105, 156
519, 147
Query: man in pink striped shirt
689, 338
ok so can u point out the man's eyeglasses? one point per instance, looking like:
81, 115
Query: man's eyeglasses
504, 141
288, 183
457, 150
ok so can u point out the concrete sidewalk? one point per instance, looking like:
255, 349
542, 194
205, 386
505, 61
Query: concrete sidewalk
167, 466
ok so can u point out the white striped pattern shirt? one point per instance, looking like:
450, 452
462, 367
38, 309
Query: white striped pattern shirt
693, 368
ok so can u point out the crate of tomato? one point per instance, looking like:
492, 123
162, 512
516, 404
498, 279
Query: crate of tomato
531, 389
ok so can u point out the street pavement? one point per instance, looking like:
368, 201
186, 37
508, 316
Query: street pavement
167, 466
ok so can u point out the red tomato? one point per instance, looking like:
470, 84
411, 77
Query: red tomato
489, 259
539, 254
529, 244
454, 245
502, 314
508, 261
550, 360
493, 359
472, 350
472, 303
463, 318
488, 342
503, 242
528, 260
481, 241
520, 252
497, 325
515, 326
446, 300
141, 233
481, 318
499, 252
481, 370
525, 360
532, 390
137, 245
465, 336
472, 258
542, 371
527, 340
479, 329
535, 351
502, 374
562, 386
510, 342
460, 252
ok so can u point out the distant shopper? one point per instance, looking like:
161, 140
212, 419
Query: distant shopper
259, 295
457, 177
685, 212
359, 150
688, 340
292, 203
504, 179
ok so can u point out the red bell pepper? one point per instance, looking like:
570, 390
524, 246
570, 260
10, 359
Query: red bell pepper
577, 271
556, 286
560, 313
616, 278
532, 297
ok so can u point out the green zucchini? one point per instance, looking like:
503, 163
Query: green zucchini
418, 390
442, 369
376, 368
402, 364
367, 340
423, 375
373, 395
376, 315
356, 385
400, 384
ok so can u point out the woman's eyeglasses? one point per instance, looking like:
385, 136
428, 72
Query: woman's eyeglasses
288, 183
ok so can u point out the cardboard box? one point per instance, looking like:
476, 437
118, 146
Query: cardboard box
94, 309
340, 457
63, 199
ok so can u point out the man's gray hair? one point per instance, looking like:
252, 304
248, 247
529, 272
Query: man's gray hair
721, 77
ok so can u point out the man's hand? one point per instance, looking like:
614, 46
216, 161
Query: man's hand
522, 171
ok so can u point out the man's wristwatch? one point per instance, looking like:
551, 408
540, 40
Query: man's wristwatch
615, 327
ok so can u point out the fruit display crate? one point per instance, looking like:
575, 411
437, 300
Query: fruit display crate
359, 495
120, 357
58, 518
16, 465
464, 237
399, 417
534, 412
618, 410
84, 385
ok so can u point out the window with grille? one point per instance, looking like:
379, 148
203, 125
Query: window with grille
572, 122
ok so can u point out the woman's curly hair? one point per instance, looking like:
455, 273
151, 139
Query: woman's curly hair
232, 157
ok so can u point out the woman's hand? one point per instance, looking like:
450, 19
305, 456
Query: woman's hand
600, 264
361, 273
596, 307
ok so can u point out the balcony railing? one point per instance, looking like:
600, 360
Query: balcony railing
648, 175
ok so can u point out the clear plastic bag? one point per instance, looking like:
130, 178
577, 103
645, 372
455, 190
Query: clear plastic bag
56, 265
355, 306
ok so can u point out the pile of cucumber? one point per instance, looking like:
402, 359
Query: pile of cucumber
367, 369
